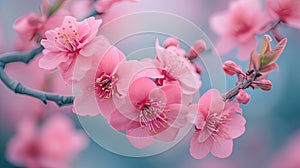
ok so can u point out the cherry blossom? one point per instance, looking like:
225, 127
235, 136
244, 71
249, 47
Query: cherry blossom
53, 145
287, 11
149, 113
72, 43
237, 27
217, 123
175, 68
108, 80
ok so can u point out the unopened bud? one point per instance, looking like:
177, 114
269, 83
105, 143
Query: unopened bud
198, 47
232, 68
242, 97
171, 42
264, 84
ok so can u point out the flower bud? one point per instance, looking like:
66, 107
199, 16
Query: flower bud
198, 47
171, 42
264, 84
242, 97
232, 68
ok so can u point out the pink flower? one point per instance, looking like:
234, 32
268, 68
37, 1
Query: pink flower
73, 41
288, 11
53, 145
106, 81
100, 84
175, 68
217, 123
149, 113
104, 5
288, 157
29, 25
238, 26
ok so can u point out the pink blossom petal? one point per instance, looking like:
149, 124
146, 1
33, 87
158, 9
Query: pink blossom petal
106, 107
67, 70
139, 137
173, 94
100, 43
86, 104
167, 135
189, 84
83, 64
211, 102
110, 61
225, 44
130, 70
222, 149
176, 114
236, 127
246, 48
51, 60
204, 135
199, 150
121, 121
232, 107
140, 89
219, 23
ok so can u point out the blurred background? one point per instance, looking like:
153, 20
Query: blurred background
273, 117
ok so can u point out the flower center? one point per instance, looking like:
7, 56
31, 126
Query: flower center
104, 85
68, 37
214, 124
175, 67
152, 115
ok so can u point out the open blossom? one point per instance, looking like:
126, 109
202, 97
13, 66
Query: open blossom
175, 68
104, 5
288, 11
217, 123
237, 27
72, 43
109, 79
149, 113
53, 145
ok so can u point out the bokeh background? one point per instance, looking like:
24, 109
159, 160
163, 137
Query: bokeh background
273, 117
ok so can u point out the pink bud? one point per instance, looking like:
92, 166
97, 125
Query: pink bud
264, 84
198, 47
242, 97
232, 68
28, 25
171, 42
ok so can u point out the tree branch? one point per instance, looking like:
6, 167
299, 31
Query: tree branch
18, 88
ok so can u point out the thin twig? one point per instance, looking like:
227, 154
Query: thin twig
18, 88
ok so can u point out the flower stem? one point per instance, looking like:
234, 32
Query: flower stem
244, 84
18, 88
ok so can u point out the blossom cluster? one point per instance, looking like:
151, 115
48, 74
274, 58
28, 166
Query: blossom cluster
150, 99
